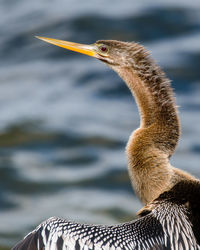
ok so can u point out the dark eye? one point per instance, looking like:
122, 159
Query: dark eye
103, 48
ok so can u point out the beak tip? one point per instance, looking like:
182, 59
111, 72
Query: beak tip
39, 37
42, 38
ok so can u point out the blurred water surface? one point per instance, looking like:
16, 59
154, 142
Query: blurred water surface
65, 118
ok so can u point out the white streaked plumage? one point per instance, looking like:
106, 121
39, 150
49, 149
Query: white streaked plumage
167, 226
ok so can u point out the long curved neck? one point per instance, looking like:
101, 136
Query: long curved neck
157, 107
150, 146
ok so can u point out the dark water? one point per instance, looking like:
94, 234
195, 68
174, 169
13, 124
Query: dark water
65, 118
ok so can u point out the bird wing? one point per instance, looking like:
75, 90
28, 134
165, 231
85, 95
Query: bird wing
58, 234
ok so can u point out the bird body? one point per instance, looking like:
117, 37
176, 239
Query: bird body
171, 217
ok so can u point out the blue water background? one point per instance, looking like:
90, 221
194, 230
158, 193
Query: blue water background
65, 118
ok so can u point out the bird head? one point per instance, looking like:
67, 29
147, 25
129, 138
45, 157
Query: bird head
113, 53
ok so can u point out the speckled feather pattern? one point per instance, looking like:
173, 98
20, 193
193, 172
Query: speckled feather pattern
59, 234
165, 227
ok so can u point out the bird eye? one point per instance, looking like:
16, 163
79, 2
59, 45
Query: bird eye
103, 48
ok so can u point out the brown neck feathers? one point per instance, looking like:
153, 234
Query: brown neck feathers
150, 146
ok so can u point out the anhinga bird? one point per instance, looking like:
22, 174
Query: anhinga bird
171, 216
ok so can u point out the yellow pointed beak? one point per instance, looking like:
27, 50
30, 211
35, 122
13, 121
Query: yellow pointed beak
81, 48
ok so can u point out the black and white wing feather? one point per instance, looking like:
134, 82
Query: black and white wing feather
165, 227
58, 234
